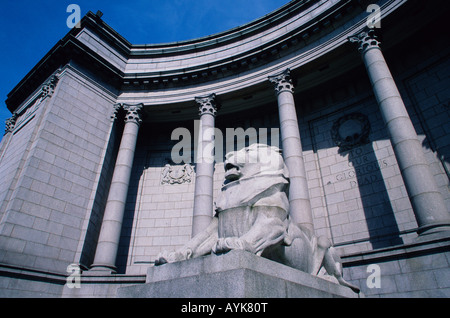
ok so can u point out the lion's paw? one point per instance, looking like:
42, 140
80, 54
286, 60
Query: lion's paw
227, 244
172, 257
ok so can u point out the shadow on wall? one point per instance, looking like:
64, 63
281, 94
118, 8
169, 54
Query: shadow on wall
351, 133
101, 195
354, 174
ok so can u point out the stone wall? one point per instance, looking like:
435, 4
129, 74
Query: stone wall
51, 197
418, 269
158, 213
429, 96
361, 188
15, 147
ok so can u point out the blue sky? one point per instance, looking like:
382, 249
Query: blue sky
30, 28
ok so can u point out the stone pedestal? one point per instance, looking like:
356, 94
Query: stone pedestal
237, 274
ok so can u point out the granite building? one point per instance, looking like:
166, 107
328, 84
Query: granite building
359, 107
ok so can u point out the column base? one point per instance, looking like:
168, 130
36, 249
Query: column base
103, 269
435, 237
433, 228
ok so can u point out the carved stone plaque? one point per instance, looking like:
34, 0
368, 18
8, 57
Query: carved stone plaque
351, 131
177, 174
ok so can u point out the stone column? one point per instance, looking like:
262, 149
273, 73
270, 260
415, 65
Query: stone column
300, 205
427, 202
108, 242
204, 179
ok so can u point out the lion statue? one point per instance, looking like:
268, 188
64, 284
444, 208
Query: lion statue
252, 214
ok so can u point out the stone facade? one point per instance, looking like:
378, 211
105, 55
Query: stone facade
87, 175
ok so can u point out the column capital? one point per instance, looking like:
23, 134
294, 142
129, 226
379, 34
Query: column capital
283, 82
207, 105
48, 88
10, 123
116, 109
134, 113
366, 39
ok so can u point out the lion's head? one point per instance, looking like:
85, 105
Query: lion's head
257, 159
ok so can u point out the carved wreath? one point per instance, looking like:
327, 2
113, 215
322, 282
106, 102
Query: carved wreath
177, 174
360, 135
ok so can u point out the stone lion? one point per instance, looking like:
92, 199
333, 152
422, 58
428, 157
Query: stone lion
252, 214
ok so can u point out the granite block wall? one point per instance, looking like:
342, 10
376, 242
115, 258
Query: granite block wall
409, 271
50, 199
429, 99
361, 188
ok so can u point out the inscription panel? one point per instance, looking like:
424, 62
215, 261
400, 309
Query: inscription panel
363, 190
362, 168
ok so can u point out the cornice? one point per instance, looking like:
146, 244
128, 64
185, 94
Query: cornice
325, 31
235, 34
293, 50
66, 50
246, 58
71, 48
